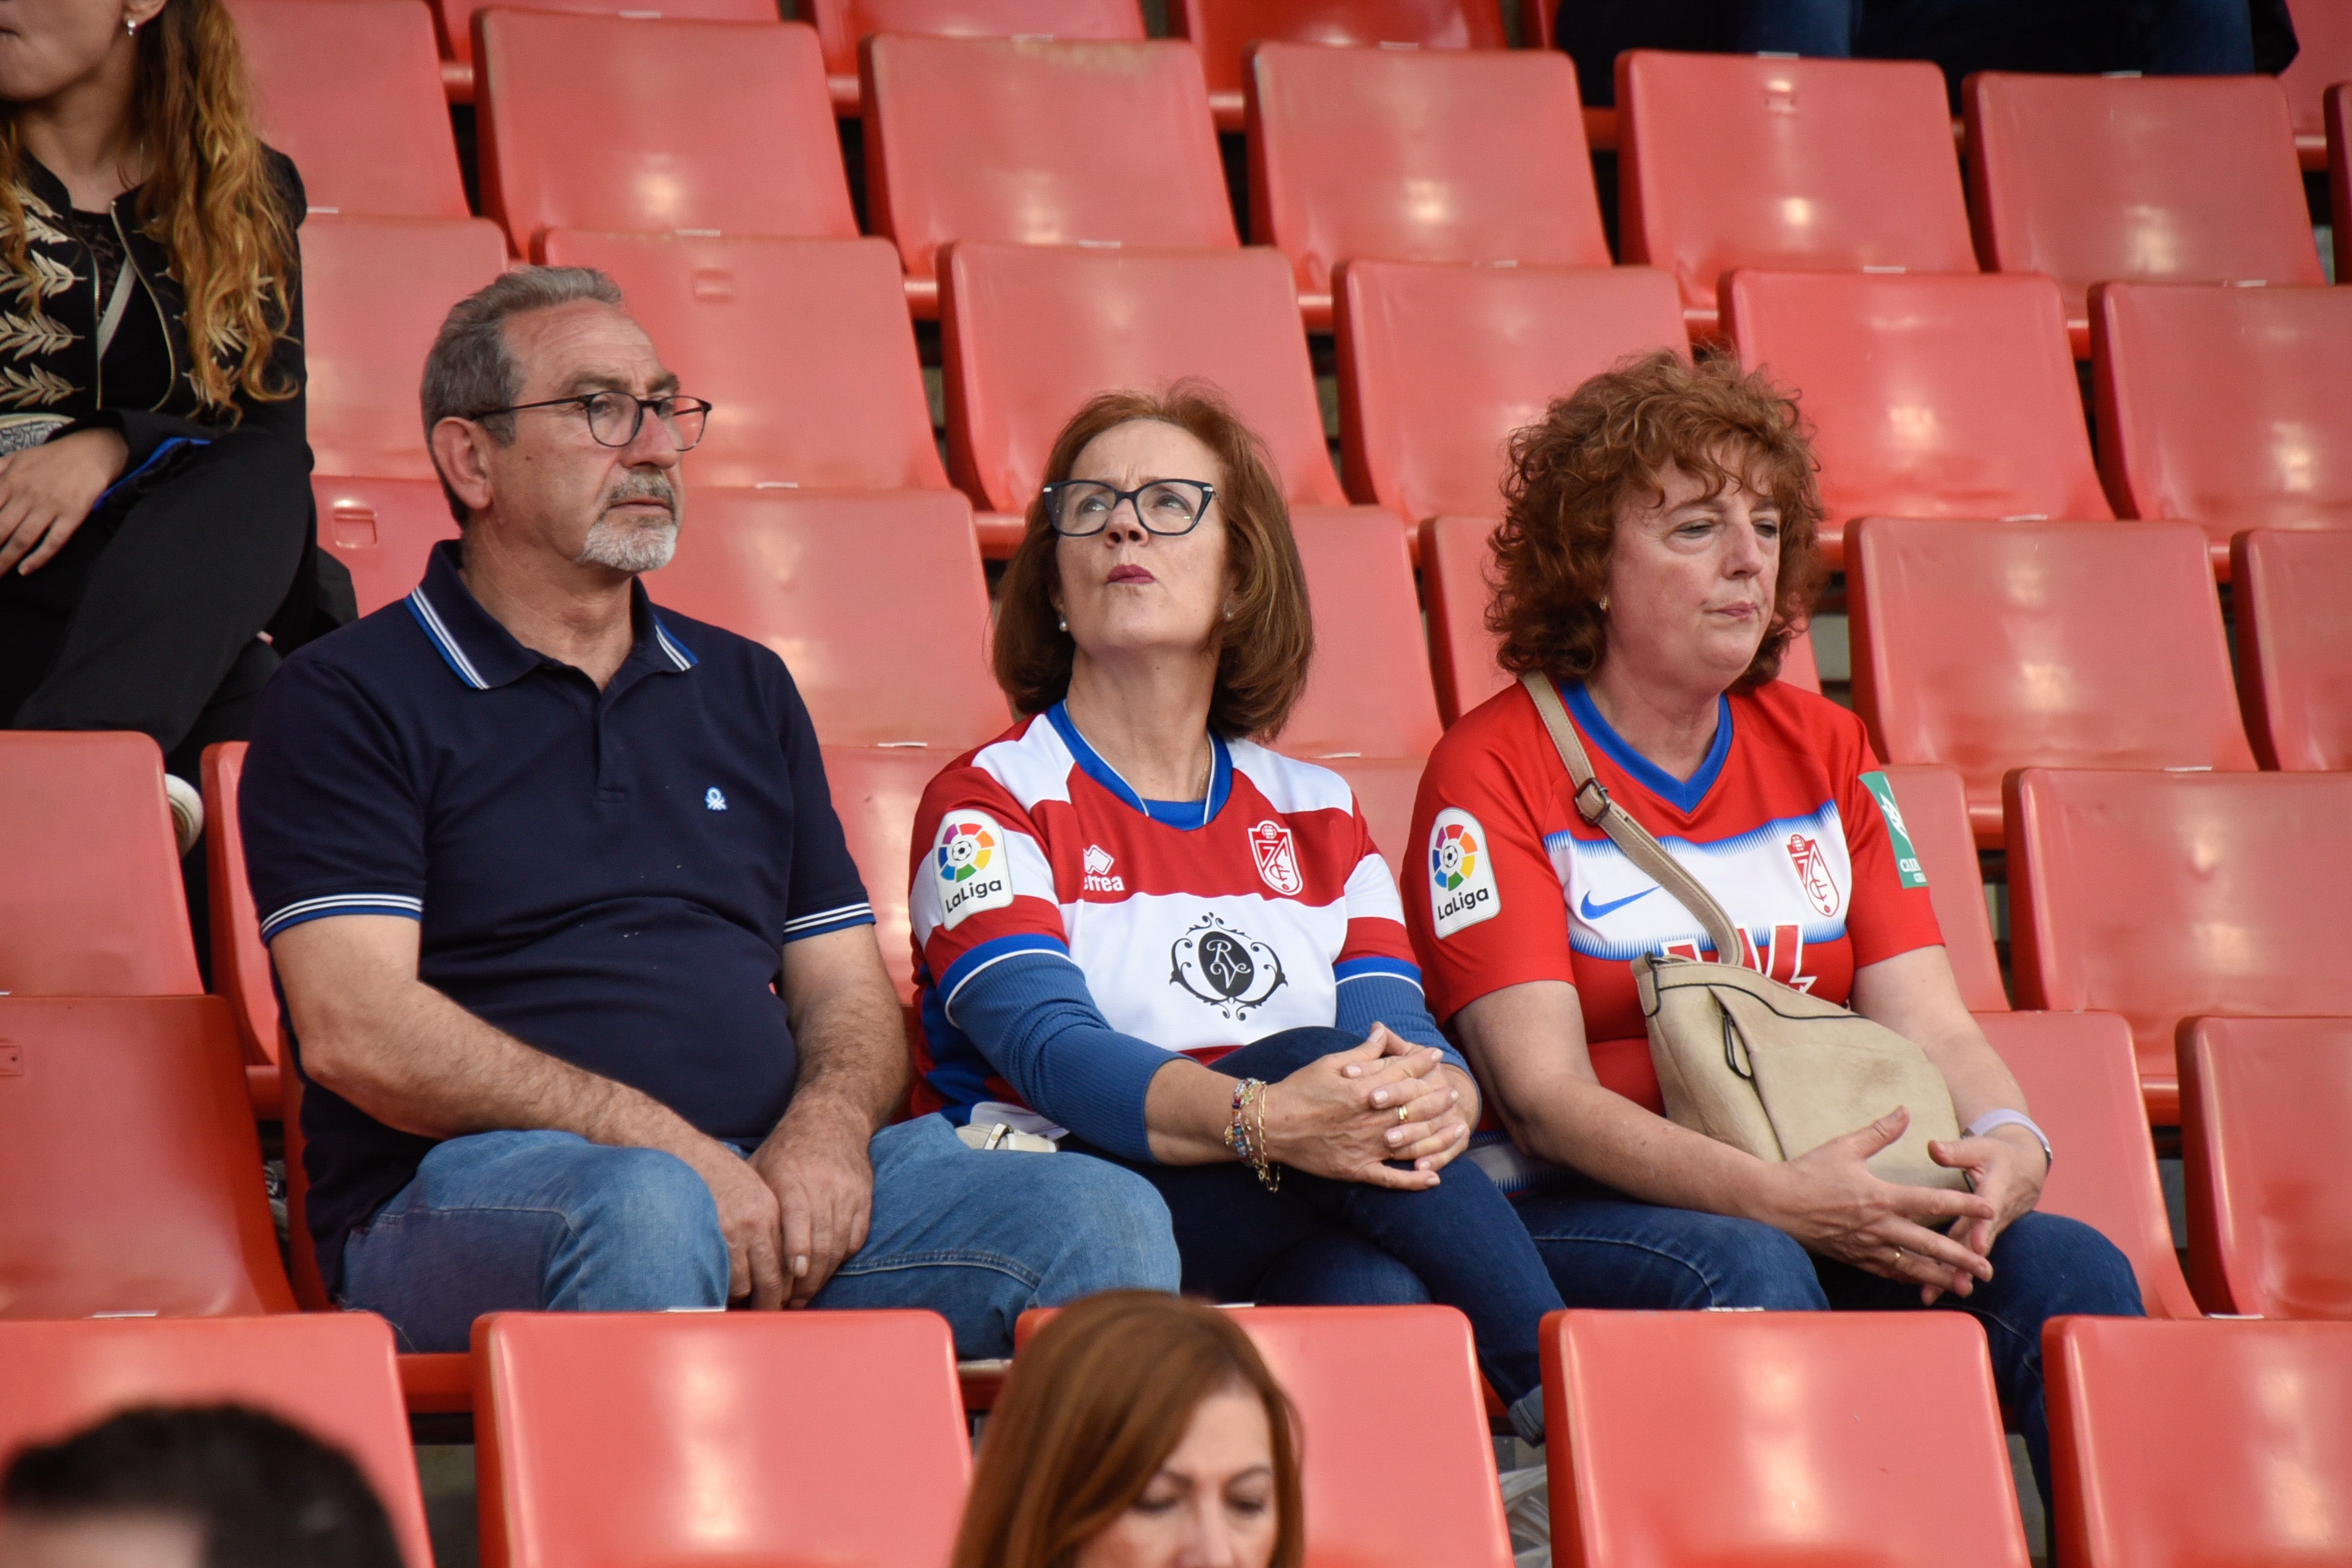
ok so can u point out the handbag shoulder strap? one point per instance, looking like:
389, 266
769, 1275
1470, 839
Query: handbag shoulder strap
1593, 804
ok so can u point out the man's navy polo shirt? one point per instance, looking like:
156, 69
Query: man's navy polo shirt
609, 876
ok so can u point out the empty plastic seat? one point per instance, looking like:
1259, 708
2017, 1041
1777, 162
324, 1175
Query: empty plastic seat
834, 1437
2167, 895
1950, 397
382, 531
2179, 179
2263, 1103
2199, 1445
657, 125
803, 346
875, 602
375, 292
874, 793
1035, 142
2225, 406
841, 24
2323, 57
351, 92
1222, 31
1417, 156
330, 1374
127, 1139
1385, 787
456, 19
2083, 1084
1735, 1439
1729, 160
1367, 693
1992, 646
91, 904
240, 961
2295, 646
1934, 808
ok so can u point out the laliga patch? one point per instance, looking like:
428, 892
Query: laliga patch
974, 871
1898, 838
1461, 873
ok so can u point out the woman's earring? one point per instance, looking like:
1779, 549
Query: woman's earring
1605, 603
1063, 623
130, 27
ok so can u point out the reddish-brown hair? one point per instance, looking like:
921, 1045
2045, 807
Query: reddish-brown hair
1610, 440
1262, 651
1095, 1405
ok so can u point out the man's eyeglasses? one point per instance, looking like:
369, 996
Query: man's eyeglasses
1078, 509
616, 417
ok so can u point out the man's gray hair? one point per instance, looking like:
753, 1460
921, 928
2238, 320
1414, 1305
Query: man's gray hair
470, 369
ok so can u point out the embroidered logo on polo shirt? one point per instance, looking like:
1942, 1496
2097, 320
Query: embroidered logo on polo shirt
1461, 873
970, 862
1277, 859
1229, 969
713, 799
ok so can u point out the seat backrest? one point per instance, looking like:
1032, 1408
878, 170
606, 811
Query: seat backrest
874, 793
1440, 364
129, 1118
2082, 1082
332, 1374
2263, 1101
657, 125
375, 292
91, 905
842, 25
1223, 30
2165, 896
1931, 397
1030, 332
2323, 57
803, 346
1935, 806
2196, 1445
1368, 690
1729, 160
812, 575
2339, 173
457, 16
2188, 179
1992, 646
382, 531
2294, 644
1385, 787
240, 959
1036, 141
1749, 1438
2222, 405
1419, 155
351, 92
834, 1437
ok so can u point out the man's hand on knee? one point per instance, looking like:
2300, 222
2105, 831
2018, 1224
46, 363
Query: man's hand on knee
816, 1164
748, 1219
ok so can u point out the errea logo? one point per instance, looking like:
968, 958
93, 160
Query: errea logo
1098, 864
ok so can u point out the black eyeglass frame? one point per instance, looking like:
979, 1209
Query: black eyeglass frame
1134, 500
636, 426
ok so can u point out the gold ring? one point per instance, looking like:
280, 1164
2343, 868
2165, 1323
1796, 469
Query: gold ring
1404, 1113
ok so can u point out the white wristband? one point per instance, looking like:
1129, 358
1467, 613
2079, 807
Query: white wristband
2007, 1118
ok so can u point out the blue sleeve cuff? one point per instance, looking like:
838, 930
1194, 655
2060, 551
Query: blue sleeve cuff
816, 922
1384, 991
1029, 1011
304, 909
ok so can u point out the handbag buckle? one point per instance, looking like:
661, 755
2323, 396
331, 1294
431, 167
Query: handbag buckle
1593, 816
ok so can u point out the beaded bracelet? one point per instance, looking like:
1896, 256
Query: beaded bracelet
1248, 1143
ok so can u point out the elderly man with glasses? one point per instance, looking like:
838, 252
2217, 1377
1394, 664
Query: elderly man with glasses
581, 980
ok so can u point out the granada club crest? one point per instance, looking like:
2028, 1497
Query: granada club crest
1813, 872
1277, 861
1227, 968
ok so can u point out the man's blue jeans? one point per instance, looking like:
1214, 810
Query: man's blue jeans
548, 1221
1605, 1250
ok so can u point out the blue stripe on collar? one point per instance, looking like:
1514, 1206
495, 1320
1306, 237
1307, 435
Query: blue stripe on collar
679, 654
443, 643
1682, 794
1187, 815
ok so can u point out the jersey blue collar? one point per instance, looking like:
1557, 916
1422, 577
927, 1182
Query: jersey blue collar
1184, 814
1682, 794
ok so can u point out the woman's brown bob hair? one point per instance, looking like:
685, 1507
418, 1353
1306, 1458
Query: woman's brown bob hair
1605, 442
1262, 651
1094, 1407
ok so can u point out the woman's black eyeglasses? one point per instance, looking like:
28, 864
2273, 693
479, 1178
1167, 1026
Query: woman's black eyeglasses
616, 417
1078, 509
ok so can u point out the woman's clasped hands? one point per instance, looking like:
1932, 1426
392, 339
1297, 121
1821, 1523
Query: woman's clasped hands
1361, 1115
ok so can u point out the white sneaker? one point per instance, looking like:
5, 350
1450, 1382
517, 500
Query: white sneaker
187, 811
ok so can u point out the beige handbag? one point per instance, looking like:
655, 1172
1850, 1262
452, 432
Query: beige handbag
1742, 1058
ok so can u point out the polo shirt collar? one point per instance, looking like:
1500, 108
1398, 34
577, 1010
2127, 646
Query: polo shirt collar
483, 654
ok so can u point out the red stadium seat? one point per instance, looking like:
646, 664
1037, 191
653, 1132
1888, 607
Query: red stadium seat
1222, 31
2339, 174
91, 904
330, 1376
832, 1438
351, 92
804, 346
456, 17
1733, 1440
2083, 1083
814, 575
376, 291
2198, 1445
1034, 142
842, 25
1369, 693
2160, 179
382, 531
1385, 787
874, 793
2322, 35
240, 961
127, 1145
1945, 397
1439, 364
2295, 646
654, 125
1934, 808
1992, 646
2168, 896
1732, 161
2264, 1105
1417, 156
2224, 406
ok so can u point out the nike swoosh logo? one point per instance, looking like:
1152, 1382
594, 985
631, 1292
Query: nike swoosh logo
1593, 911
